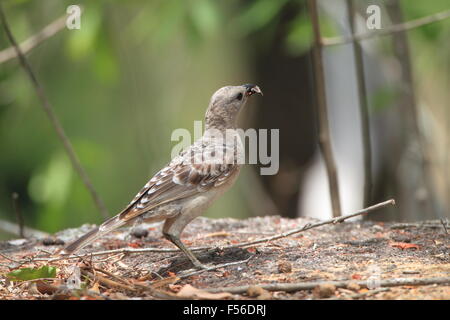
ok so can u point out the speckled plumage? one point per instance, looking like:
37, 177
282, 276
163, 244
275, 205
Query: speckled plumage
190, 183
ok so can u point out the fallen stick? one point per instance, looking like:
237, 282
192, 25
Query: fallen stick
212, 268
315, 225
290, 287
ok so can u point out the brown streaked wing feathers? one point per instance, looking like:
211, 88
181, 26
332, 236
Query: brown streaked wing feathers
189, 181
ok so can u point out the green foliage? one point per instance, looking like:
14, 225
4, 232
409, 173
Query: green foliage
26, 274
134, 72
299, 36
383, 98
258, 15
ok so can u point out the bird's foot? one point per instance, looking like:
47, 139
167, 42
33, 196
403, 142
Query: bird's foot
200, 266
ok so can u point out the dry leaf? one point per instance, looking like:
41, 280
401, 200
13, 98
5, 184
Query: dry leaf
356, 276
95, 287
163, 282
189, 291
251, 250
45, 288
136, 245
217, 234
404, 245
175, 287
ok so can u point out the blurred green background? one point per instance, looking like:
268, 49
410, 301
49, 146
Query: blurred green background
136, 71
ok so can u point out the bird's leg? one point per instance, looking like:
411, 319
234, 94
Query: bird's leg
176, 241
134, 227
172, 230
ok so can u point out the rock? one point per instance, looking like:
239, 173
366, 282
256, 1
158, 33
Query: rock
258, 292
284, 267
139, 233
52, 241
354, 286
324, 290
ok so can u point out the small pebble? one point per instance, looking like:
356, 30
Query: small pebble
411, 272
52, 241
354, 286
255, 291
139, 233
258, 293
324, 290
284, 267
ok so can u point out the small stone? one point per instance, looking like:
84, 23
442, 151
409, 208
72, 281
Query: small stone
353, 285
324, 290
139, 233
284, 267
377, 227
255, 291
52, 241
264, 296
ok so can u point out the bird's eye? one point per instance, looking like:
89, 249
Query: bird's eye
239, 96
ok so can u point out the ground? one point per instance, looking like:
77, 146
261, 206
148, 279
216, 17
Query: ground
349, 260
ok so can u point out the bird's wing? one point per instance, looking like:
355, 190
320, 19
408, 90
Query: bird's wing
187, 174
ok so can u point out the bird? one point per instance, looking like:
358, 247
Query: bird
190, 183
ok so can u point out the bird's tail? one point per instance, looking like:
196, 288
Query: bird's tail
97, 232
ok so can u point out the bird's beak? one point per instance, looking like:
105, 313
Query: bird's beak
252, 89
257, 90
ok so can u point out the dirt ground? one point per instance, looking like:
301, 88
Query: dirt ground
342, 261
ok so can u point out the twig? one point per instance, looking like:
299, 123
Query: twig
434, 224
290, 287
9, 259
53, 119
444, 224
214, 267
16, 206
119, 279
323, 123
363, 106
107, 282
388, 30
243, 244
116, 251
35, 40
123, 284
315, 225
361, 295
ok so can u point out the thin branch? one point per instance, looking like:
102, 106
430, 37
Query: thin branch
53, 119
402, 53
107, 282
360, 295
238, 245
35, 40
315, 225
214, 267
124, 284
388, 30
291, 287
9, 258
444, 224
16, 207
324, 130
363, 106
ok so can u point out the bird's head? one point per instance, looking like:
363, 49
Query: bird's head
226, 103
